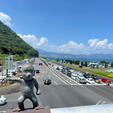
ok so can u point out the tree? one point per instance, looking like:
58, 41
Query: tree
105, 62
86, 63
112, 64
57, 60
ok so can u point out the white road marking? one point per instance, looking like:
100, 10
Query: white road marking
100, 102
55, 83
2, 111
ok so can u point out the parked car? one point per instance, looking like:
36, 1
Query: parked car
105, 80
69, 73
90, 81
81, 76
82, 81
71, 70
97, 81
63, 71
109, 71
87, 75
58, 68
47, 81
3, 100
80, 66
49, 63
40, 64
75, 78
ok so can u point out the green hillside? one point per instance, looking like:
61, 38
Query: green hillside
10, 43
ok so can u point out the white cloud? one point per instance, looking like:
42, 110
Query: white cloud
71, 47
43, 41
95, 45
92, 42
99, 46
33, 40
102, 44
5, 19
110, 46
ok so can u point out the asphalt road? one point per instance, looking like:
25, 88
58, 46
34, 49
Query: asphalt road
60, 94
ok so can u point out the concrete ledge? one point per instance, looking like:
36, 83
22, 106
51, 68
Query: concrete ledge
104, 108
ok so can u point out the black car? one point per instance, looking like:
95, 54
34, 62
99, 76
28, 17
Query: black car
87, 75
95, 77
69, 73
47, 81
37, 71
57, 68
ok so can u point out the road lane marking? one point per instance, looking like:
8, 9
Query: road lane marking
2, 111
101, 102
59, 78
55, 83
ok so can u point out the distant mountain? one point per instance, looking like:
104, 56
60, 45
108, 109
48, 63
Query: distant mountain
82, 57
11, 43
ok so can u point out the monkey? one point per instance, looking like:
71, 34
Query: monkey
27, 83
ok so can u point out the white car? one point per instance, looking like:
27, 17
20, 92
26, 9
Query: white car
109, 71
2, 100
80, 76
74, 77
71, 70
90, 81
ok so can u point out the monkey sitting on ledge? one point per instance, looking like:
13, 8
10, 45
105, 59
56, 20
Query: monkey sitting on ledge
27, 82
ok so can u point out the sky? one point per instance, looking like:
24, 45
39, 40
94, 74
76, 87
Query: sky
64, 26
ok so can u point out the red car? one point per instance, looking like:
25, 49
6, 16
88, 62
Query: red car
105, 80
40, 64
63, 71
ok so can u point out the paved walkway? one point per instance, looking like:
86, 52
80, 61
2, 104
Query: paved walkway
9, 89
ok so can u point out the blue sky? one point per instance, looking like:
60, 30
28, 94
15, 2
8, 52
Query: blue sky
66, 26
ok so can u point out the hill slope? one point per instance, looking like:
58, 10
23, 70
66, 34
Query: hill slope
10, 43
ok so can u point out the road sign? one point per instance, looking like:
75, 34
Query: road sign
6, 62
10, 62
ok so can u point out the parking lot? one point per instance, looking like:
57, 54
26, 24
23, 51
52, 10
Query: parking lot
81, 78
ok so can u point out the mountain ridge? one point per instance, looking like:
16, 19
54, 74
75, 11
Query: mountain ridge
95, 57
11, 43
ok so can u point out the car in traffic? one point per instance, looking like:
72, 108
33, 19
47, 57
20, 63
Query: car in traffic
3, 100
14, 72
47, 81
37, 71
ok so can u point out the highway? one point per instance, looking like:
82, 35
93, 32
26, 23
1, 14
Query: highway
62, 94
